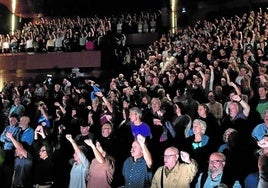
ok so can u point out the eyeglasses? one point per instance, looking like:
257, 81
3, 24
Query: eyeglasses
167, 156
42, 150
215, 161
106, 128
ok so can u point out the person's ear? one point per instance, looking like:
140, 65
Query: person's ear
223, 163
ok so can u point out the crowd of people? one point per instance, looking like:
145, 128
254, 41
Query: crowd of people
193, 112
75, 34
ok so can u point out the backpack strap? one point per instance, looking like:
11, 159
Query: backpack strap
203, 179
162, 174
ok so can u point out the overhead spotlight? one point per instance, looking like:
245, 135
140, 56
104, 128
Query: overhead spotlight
183, 10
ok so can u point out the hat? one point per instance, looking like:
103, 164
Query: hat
105, 118
83, 122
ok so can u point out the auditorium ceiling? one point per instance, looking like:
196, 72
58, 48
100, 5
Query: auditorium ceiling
23, 8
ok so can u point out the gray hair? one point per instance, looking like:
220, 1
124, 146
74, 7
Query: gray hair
136, 110
202, 123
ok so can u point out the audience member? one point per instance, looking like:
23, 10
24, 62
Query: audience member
199, 145
229, 140
156, 118
108, 139
262, 104
44, 118
175, 173
215, 174
102, 167
17, 108
262, 166
137, 126
215, 107
213, 128
8, 149
43, 168
182, 123
261, 129
80, 165
22, 175
85, 134
137, 168
196, 63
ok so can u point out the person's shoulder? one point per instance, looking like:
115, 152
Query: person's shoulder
159, 170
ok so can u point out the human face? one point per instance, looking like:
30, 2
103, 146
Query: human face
24, 121
43, 153
211, 97
17, 101
106, 130
262, 92
180, 76
144, 100
155, 105
265, 118
233, 110
133, 116
216, 164
73, 113
57, 87
201, 111
197, 128
13, 121
231, 96
136, 150
170, 158
84, 130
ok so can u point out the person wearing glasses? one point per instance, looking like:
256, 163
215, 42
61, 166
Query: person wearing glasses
263, 170
175, 173
43, 166
212, 177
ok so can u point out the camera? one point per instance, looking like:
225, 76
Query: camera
48, 80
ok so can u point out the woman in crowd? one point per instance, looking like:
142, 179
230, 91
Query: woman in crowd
43, 169
199, 144
80, 166
101, 168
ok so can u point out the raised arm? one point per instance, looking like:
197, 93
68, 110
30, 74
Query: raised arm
71, 140
203, 78
244, 104
211, 80
96, 152
237, 90
17, 144
146, 153
106, 101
